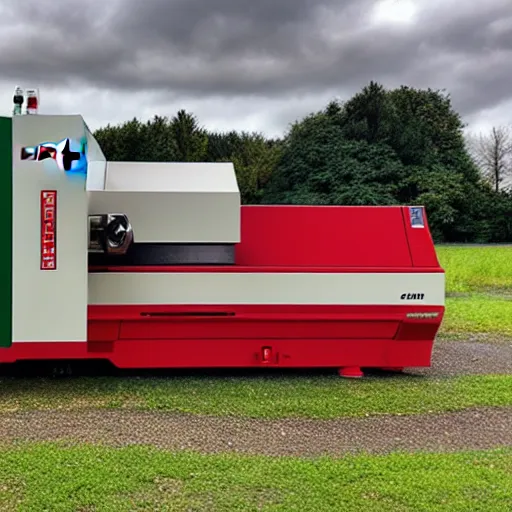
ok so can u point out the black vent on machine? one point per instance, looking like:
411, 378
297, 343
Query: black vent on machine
168, 254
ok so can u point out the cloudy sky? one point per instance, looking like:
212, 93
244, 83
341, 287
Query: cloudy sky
252, 64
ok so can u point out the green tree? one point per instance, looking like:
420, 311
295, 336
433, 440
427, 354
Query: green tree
222, 145
254, 159
429, 131
122, 143
190, 139
400, 146
368, 115
319, 166
157, 140
404, 146
159, 143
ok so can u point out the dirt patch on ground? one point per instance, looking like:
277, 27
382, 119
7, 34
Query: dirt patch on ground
484, 428
468, 358
488, 338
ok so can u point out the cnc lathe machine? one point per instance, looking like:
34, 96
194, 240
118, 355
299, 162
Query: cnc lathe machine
158, 265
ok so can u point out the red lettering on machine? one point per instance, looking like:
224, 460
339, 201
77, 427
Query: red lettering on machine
48, 229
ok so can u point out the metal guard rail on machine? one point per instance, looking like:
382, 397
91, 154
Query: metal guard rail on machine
157, 265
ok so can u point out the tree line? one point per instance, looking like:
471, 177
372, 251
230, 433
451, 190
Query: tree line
381, 147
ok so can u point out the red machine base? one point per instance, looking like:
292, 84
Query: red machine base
232, 353
343, 337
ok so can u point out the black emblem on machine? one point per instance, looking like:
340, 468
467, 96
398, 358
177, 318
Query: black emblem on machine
412, 296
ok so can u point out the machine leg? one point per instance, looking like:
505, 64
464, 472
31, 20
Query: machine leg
350, 372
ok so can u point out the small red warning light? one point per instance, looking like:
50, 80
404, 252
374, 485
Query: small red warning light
32, 101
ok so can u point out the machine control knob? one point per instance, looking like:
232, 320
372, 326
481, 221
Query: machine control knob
110, 233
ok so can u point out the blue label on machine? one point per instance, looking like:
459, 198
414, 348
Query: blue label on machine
417, 220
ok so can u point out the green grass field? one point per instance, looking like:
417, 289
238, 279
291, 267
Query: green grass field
60, 479
479, 313
300, 396
479, 289
473, 269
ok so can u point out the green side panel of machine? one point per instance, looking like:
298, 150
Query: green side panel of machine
6, 219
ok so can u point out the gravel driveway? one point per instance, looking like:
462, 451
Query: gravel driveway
483, 428
469, 358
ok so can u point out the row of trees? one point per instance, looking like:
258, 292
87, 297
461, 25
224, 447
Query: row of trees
400, 146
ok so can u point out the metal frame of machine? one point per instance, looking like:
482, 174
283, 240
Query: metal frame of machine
159, 266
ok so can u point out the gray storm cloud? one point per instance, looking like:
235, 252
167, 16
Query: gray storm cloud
261, 48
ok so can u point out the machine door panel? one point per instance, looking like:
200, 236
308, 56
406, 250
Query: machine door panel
243, 328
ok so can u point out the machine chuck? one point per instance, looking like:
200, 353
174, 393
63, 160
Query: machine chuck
110, 233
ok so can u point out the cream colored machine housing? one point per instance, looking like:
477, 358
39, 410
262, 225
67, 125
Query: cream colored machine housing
166, 203
48, 305
170, 202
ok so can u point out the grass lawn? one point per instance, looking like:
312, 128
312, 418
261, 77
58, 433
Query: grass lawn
59, 478
478, 313
479, 289
262, 396
471, 269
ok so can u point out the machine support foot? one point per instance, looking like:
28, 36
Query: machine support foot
350, 372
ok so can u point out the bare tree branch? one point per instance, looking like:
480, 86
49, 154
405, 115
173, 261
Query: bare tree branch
492, 153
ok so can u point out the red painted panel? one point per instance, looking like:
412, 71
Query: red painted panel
323, 236
322, 239
103, 331
282, 311
408, 353
423, 252
288, 336
297, 353
419, 329
264, 328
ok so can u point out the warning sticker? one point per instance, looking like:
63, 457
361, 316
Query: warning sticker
417, 220
48, 229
